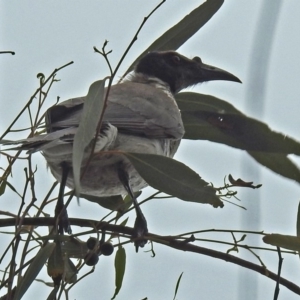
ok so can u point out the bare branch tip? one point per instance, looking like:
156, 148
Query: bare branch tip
7, 52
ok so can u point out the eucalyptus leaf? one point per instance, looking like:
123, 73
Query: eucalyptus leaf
71, 271
174, 178
33, 270
279, 163
53, 293
120, 264
2, 187
285, 241
298, 221
74, 248
177, 35
92, 110
177, 285
209, 118
113, 202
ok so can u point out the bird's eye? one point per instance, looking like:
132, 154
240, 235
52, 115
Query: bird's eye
197, 59
176, 59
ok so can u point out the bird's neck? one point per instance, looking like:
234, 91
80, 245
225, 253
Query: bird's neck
150, 80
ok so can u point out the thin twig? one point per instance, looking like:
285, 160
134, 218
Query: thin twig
8, 169
7, 52
137, 33
113, 74
32, 97
277, 288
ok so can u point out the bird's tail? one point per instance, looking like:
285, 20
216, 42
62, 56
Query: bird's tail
43, 141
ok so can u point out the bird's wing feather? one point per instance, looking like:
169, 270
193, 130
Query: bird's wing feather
134, 108
44, 141
65, 114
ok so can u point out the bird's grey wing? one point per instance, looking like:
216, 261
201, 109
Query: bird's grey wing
134, 108
65, 114
68, 114
141, 109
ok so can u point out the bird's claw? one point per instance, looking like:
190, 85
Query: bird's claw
64, 223
140, 230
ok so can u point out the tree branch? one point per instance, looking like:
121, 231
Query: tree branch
164, 240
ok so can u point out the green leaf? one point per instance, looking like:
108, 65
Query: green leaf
70, 246
209, 118
174, 178
70, 271
114, 235
298, 221
2, 187
127, 203
33, 270
53, 293
177, 35
55, 266
177, 285
74, 248
12, 187
278, 163
120, 263
113, 202
92, 109
285, 241
124, 222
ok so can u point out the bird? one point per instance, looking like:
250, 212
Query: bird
141, 116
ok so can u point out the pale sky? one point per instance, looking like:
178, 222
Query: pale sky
47, 35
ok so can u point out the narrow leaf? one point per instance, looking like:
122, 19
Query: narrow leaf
2, 187
298, 221
285, 241
177, 35
177, 285
124, 222
92, 109
278, 163
113, 202
55, 266
33, 270
174, 178
120, 263
53, 293
12, 187
209, 118
71, 271
74, 248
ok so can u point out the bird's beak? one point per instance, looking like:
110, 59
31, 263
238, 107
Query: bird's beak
212, 73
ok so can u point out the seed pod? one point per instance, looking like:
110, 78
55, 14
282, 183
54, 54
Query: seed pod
107, 249
91, 258
91, 243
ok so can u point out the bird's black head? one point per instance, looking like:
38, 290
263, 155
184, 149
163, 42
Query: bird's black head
178, 71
